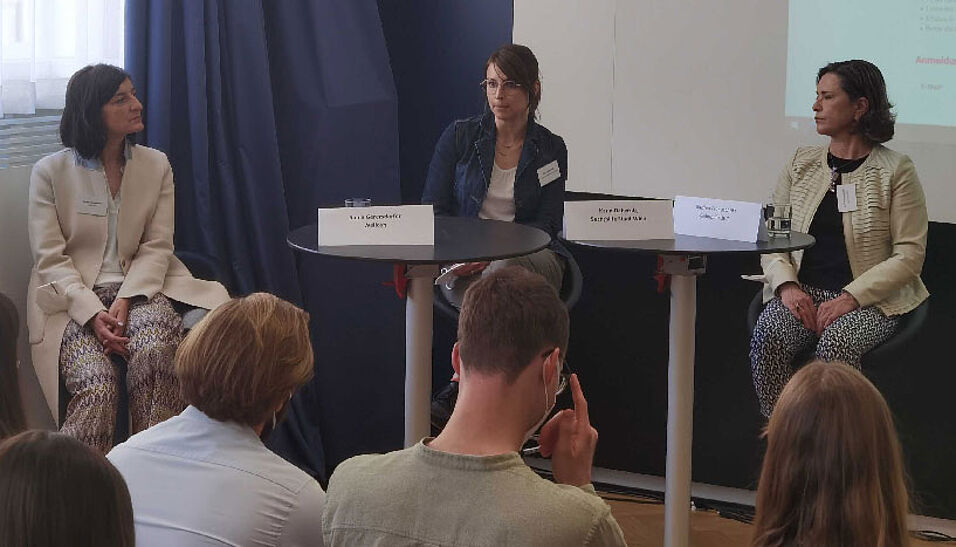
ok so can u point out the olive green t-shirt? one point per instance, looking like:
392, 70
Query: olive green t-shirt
421, 496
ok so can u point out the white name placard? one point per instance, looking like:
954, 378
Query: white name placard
381, 225
618, 220
717, 218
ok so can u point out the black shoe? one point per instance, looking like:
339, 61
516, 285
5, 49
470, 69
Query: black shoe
442, 404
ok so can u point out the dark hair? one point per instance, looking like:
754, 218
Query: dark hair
244, 358
55, 490
81, 126
833, 471
507, 318
519, 64
860, 78
11, 408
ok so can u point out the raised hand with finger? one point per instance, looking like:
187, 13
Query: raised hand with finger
570, 440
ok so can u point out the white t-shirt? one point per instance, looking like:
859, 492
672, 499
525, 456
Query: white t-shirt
499, 201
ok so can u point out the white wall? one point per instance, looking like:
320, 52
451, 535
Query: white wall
657, 98
576, 80
15, 264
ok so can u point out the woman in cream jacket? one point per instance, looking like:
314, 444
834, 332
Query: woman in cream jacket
865, 206
101, 231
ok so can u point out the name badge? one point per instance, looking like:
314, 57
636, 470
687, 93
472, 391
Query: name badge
549, 173
846, 197
91, 206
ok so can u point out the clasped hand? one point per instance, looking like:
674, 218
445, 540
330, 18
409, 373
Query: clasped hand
110, 327
815, 318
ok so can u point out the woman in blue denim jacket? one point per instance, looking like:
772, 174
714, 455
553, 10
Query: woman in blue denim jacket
502, 165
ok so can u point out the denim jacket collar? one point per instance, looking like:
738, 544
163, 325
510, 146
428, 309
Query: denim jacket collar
93, 163
485, 146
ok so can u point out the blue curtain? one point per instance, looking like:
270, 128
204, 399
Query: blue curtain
268, 110
201, 69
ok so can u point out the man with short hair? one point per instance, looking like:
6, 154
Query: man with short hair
468, 485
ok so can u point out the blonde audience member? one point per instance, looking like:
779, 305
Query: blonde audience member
204, 477
55, 491
833, 472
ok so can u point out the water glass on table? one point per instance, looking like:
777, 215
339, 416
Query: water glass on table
778, 217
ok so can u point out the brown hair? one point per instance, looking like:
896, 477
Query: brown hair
507, 318
860, 78
519, 64
81, 124
11, 407
245, 358
833, 472
55, 490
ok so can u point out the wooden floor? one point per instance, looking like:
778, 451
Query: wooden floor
642, 521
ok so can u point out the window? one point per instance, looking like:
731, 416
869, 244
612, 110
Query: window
42, 43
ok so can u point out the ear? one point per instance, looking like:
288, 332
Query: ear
456, 359
862, 106
552, 366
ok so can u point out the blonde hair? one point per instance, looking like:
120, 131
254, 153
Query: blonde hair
245, 358
833, 472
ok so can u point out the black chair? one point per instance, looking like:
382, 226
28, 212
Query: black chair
910, 324
201, 267
570, 291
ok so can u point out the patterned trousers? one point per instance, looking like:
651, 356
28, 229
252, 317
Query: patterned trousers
779, 338
154, 330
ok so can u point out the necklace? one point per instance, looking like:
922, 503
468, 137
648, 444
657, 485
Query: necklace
835, 169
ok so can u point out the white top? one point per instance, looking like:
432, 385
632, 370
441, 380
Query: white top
198, 481
499, 201
110, 271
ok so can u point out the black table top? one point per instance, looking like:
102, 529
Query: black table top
456, 240
692, 245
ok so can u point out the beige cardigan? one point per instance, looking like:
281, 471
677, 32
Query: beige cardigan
885, 237
68, 233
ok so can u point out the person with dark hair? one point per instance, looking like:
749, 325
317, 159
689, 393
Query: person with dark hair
503, 165
833, 471
12, 420
204, 477
56, 491
864, 205
469, 485
101, 231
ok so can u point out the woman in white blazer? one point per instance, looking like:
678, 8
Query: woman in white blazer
101, 231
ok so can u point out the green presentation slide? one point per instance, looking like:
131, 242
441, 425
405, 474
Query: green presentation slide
913, 42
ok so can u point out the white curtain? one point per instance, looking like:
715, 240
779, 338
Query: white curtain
43, 42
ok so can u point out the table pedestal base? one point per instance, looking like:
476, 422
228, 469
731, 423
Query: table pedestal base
680, 410
418, 352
